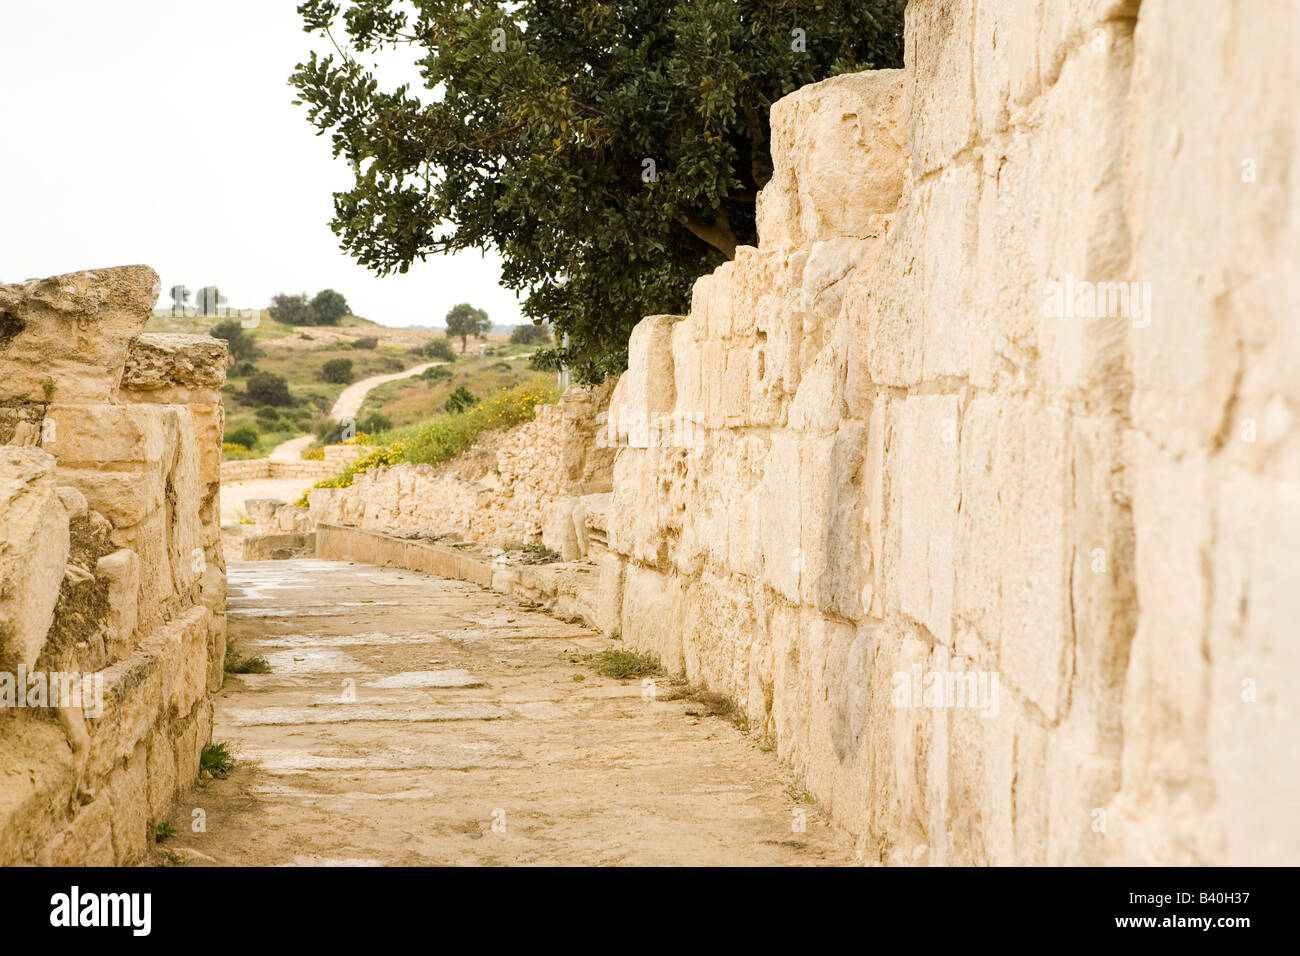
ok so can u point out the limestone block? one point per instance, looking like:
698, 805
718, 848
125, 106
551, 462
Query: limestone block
830, 502
128, 796
121, 570
158, 361
162, 778
560, 532
780, 518
937, 63
978, 550
1256, 664
825, 278
117, 455
837, 153
949, 206
71, 333
650, 391
33, 553
1032, 466
883, 305
86, 841
1086, 241
1224, 281
924, 456
719, 307
653, 618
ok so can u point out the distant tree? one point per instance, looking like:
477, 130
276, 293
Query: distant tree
462, 399
265, 388
530, 335
337, 371
440, 349
242, 346
329, 307
209, 300
180, 296
464, 320
292, 310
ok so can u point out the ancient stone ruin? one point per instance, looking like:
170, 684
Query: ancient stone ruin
112, 582
974, 487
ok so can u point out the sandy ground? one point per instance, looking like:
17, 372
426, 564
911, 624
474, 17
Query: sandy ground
409, 719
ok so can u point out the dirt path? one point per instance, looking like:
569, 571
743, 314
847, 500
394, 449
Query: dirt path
292, 449
350, 399
476, 736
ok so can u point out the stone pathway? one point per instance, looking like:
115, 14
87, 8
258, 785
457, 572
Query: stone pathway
410, 719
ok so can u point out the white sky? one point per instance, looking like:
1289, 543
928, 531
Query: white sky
164, 132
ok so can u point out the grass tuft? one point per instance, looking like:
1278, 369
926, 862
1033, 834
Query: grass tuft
216, 761
622, 664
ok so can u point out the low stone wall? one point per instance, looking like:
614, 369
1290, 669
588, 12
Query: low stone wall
112, 579
976, 483
542, 471
252, 469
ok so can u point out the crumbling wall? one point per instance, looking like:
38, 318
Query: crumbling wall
110, 565
545, 475
977, 483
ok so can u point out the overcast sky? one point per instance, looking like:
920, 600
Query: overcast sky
164, 132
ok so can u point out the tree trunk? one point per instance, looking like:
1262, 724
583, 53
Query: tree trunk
718, 233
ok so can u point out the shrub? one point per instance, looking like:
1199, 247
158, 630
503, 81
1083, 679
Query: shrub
337, 371
245, 436
460, 400
440, 349
265, 388
366, 342
374, 423
436, 373
267, 414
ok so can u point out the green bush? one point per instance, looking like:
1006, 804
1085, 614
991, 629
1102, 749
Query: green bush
440, 349
267, 389
460, 400
267, 414
374, 423
244, 435
337, 371
436, 373
366, 342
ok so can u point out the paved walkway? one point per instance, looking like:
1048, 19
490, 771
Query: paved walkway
410, 719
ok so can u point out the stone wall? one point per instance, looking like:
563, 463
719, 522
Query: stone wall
110, 565
977, 483
545, 475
